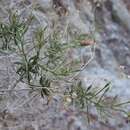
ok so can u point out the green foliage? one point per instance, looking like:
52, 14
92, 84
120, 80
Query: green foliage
47, 58
48, 61
12, 32
91, 97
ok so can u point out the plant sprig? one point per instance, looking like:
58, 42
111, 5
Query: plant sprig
48, 61
47, 58
95, 98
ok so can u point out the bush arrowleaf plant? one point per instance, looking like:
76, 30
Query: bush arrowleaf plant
48, 62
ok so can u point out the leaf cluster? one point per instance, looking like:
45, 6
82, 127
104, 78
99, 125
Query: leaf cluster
46, 61
87, 99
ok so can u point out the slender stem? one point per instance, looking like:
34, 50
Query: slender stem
26, 61
123, 103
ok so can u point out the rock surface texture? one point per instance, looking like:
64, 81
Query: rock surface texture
110, 19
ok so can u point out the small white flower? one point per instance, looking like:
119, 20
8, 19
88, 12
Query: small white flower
68, 100
128, 76
122, 67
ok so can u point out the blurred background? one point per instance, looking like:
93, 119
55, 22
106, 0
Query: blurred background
109, 21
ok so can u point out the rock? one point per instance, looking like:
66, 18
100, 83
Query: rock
120, 11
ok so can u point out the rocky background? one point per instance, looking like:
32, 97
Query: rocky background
110, 22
